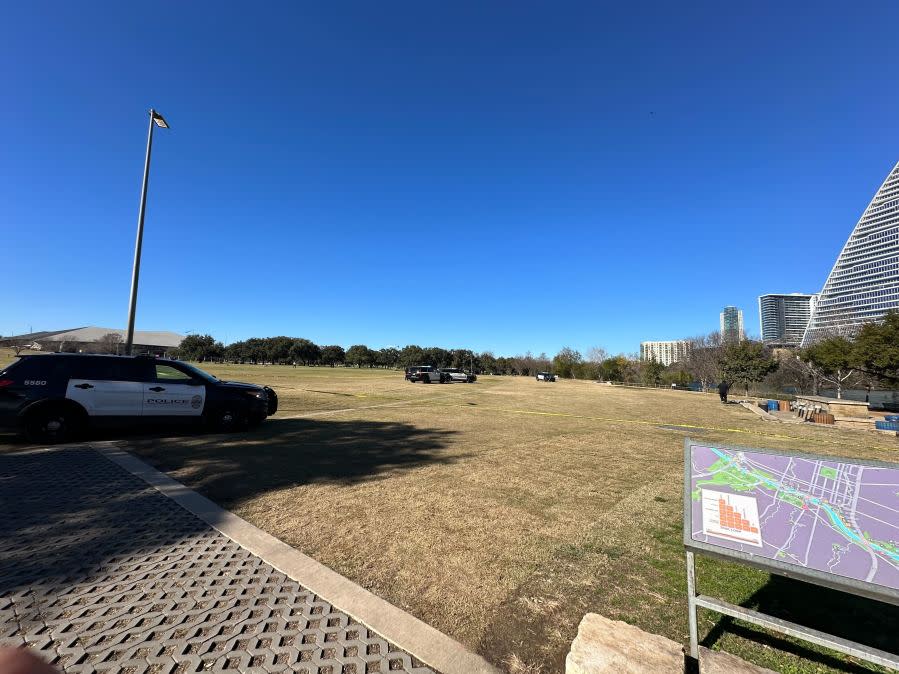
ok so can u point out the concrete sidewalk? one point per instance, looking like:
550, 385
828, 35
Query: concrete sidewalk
109, 565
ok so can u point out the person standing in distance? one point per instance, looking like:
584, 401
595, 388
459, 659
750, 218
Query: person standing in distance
723, 388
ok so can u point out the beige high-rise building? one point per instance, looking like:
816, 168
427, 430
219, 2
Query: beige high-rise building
665, 353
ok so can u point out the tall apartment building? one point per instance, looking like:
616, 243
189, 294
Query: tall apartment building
784, 317
732, 325
864, 282
665, 353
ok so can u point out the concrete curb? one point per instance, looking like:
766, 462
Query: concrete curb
432, 647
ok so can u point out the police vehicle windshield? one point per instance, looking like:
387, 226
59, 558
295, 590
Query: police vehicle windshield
197, 372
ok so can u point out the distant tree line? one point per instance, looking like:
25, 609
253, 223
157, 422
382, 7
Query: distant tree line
869, 358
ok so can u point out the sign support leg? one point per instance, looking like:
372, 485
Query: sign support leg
691, 606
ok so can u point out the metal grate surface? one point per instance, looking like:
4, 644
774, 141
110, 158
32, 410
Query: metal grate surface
99, 572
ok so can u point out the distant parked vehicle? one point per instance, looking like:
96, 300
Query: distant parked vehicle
546, 376
455, 374
427, 374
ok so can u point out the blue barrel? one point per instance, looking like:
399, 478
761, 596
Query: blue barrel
773, 406
891, 417
887, 425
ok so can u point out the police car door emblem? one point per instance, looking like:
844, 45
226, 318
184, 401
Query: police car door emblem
196, 401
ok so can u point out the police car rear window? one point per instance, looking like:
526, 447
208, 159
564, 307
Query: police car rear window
105, 369
21, 368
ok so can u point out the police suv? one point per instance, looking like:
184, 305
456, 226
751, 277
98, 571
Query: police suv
53, 397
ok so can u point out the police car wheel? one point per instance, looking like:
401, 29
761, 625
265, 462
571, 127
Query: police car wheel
226, 419
52, 424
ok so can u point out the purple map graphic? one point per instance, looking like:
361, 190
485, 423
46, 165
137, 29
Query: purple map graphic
830, 516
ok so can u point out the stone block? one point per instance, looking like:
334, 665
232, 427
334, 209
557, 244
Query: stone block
604, 646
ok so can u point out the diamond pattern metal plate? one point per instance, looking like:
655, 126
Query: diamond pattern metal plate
99, 572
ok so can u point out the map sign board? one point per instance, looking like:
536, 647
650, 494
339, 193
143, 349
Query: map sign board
827, 520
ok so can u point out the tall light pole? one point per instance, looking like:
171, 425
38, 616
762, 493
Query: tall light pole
155, 119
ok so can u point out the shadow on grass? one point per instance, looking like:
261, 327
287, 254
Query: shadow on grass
285, 453
68, 511
865, 621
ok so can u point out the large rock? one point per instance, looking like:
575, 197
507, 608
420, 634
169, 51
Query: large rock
604, 645
717, 662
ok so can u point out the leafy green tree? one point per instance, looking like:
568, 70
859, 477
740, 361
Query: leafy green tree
676, 374
436, 356
651, 372
833, 359
360, 356
387, 357
200, 348
236, 352
412, 355
277, 349
565, 361
746, 362
586, 370
614, 368
255, 350
332, 355
876, 348
305, 352
462, 358
486, 362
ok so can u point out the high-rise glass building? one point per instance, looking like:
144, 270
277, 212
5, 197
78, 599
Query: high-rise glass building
784, 318
864, 283
732, 325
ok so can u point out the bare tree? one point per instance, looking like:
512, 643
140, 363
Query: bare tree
596, 354
109, 343
794, 371
703, 359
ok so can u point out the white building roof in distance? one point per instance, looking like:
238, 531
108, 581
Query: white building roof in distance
93, 334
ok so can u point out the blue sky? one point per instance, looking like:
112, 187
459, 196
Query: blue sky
498, 176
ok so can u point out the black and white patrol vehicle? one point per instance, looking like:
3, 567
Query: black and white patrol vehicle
454, 374
55, 396
427, 374
546, 376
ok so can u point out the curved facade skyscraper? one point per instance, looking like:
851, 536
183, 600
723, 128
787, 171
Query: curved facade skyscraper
784, 317
864, 283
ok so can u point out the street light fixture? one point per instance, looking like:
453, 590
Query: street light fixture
158, 120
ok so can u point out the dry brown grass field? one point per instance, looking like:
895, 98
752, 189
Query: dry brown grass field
501, 511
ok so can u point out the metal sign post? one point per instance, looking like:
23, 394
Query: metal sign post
814, 518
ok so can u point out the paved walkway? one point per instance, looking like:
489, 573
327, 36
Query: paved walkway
101, 572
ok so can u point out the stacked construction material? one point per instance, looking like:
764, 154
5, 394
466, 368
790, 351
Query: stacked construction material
822, 418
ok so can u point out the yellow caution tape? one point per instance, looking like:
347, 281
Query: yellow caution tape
657, 423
